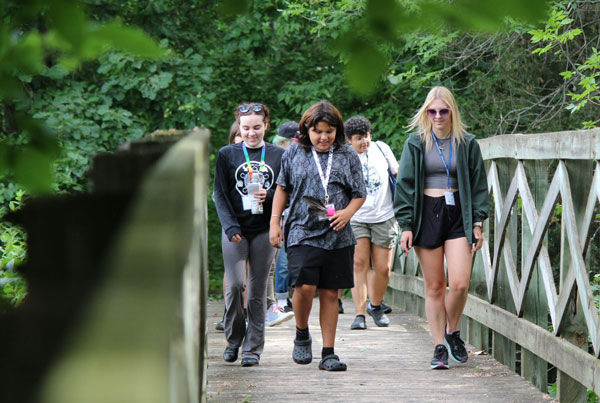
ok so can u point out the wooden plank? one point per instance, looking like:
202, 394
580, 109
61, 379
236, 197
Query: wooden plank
537, 240
572, 204
503, 349
575, 145
384, 364
535, 302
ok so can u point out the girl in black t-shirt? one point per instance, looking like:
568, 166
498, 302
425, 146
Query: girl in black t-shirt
243, 191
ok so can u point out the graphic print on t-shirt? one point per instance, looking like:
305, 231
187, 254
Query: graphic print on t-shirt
372, 179
242, 176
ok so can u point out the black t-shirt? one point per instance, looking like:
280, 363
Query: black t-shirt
231, 178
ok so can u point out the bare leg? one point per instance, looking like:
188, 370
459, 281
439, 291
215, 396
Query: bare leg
328, 316
302, 303
432, 263
361, 268
459, 260
382, 264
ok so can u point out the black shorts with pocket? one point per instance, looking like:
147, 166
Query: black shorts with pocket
329, 269
440, 222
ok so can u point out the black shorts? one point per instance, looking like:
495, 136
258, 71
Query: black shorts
330, 269
440, 222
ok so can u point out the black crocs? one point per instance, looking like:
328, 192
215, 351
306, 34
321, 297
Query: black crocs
332, 363
302, 351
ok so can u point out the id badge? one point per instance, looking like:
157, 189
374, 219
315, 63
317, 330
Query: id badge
449, 198
247, 203
369, 202
330, 210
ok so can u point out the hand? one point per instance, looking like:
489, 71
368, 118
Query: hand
340, 219
275, 236
406, 241
237, 238
261, 195
479, 237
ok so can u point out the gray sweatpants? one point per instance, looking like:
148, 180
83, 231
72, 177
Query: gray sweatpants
259, 252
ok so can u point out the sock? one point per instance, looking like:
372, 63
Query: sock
302, 334
361, 316
326, 351
451, 333
374, 307
281, 302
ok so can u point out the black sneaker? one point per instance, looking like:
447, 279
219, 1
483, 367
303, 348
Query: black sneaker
456, 347
386, 308
379, 317
440, 357
288, 307
340, 306
359, 323
221, 325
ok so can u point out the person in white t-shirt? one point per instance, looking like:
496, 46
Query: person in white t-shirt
374, 224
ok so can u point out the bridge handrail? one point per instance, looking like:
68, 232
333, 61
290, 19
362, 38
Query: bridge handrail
143, 338
513, 290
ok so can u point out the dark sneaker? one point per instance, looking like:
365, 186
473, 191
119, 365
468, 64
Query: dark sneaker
359, 323
230, 354
378, 316
288, 307
456, 347
440, 357
221, 325
340, 306
386, 308
249, 362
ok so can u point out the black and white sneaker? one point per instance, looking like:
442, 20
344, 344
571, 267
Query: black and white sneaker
456, 347
440, 357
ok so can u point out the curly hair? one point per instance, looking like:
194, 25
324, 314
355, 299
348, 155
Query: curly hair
357, 125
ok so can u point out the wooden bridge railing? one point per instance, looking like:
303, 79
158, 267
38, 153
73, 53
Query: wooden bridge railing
530, 301
142, 338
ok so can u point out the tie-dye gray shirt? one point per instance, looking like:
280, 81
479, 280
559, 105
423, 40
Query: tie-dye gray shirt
299, 177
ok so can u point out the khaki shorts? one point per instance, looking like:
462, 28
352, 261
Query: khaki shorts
382, 234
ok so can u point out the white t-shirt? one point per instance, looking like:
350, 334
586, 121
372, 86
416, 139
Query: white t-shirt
379, 205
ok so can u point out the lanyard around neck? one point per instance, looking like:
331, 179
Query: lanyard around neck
261, 166
446, 166
324, 178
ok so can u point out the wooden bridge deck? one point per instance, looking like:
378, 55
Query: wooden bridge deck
384, 364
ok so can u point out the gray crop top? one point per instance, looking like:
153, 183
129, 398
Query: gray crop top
435, 173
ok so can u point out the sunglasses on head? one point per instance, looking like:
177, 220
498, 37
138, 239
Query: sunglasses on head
442, 112
246, 108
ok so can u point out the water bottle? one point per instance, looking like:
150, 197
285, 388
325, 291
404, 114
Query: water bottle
253, 187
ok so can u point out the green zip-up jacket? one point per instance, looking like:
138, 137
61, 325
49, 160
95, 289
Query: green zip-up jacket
472, 185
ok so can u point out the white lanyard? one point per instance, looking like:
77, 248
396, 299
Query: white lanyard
324, 178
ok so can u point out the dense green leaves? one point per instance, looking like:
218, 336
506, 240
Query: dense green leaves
122, 69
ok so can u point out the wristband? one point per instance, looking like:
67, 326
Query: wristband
275, 215
478, 224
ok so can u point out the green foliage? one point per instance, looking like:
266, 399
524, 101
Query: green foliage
13, 287
565, 25
92, 85
34, 35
